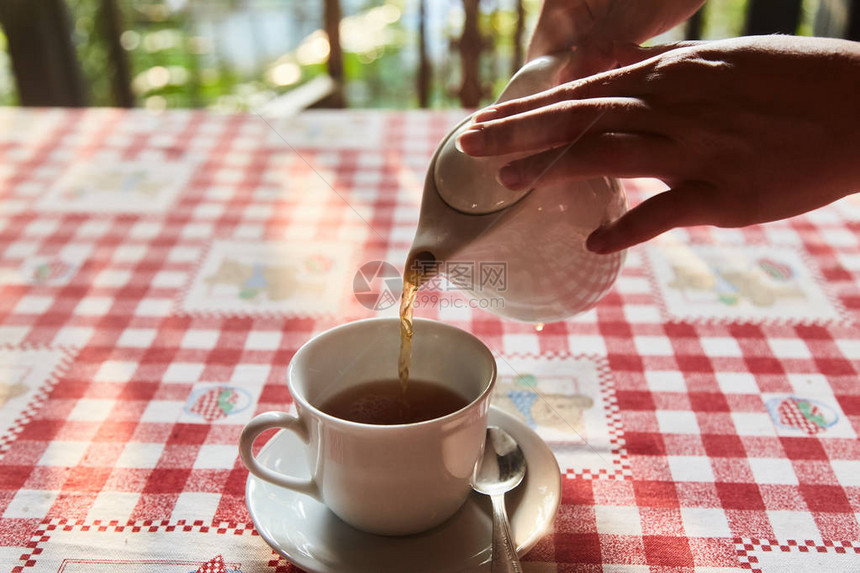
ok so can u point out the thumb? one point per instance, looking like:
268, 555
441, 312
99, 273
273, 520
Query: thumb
682, 206
588, 58
555, 30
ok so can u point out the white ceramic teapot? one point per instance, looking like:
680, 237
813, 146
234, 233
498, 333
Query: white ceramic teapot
520, 255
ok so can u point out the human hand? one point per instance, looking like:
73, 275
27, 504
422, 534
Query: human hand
591, 27
743, 131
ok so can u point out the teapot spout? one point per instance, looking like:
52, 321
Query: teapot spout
443, 233
421, 266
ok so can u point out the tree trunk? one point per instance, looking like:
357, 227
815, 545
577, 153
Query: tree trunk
332, 17
111, 22
424, 70
853, 30
43, 57
519, 30
695, 25
772, 17
470, 56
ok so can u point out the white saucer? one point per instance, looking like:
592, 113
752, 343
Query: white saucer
308, 535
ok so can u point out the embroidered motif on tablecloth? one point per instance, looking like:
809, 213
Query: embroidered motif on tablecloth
723, 282
801, 414
290, 277
214, 565
49, 271
216, 402
26, 376
809, 408
570, 402
325, 130
809, 416
122, 187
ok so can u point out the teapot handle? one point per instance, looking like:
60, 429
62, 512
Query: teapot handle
535, 76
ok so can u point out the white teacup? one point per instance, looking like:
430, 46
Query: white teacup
384, 479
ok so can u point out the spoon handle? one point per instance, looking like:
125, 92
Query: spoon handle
505, 558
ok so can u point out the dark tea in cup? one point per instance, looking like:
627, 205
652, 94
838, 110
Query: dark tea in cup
386, 402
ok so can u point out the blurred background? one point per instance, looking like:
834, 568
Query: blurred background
236, 55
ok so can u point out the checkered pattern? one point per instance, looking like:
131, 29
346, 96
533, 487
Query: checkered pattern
620, 468
725, 427
760, 555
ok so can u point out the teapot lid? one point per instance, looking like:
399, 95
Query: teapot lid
468, 184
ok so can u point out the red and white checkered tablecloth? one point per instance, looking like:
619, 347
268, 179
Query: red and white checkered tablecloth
157, 272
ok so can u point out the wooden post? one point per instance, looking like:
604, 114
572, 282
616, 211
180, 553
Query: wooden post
332, 17
852, 31
695, 25
424, 70
772, 17
111, 23
519, 30
470, 56
43, 57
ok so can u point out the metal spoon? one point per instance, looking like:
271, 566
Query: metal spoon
500, 470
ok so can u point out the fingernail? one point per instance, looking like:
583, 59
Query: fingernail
471, 141
486, 114
510, 176
598, 241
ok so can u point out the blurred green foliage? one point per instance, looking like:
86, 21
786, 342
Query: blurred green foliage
91, 50
8, 95
180, 55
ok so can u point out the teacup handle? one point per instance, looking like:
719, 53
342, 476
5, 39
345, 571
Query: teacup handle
257, 426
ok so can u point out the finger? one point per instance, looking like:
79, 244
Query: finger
628, 54
555, 125
613, 83
683, 206
612, 154
628, 80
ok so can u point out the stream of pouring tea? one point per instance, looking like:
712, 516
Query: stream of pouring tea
411, 284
